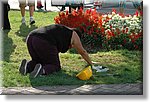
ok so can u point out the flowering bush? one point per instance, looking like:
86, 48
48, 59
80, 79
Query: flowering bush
123, 31
105, 31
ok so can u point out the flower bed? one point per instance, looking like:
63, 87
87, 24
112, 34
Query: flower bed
105, 31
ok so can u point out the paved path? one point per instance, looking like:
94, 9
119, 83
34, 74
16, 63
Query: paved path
102, 89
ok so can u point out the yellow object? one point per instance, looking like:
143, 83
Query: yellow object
85, 74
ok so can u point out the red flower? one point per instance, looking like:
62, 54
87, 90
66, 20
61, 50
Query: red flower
127, 30
124, 41
92, 23
67, 12
123, 31
113, 10
62, 14
102, 30
137, 13
141, 12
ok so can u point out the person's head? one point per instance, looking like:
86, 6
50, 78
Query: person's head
78, 32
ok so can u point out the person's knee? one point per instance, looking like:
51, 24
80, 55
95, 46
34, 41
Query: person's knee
22, 5
31, 3
49, 69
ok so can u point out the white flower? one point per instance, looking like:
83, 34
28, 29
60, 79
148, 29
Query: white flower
109, 16
133, 23
107, 26
113, 13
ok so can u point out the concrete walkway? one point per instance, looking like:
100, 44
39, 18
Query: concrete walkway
101, 89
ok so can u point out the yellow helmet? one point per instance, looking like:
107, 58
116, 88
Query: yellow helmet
85, 74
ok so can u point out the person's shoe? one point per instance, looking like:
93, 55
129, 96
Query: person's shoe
23, 21
32, 21
40, 7
6, 28
37, 71
23, 67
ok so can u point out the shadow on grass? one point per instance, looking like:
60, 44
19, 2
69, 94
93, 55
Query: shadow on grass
57, 78
41, 10
25, 30
8, 46
68, 78
61, 78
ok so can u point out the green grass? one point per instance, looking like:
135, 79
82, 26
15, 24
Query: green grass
125, 66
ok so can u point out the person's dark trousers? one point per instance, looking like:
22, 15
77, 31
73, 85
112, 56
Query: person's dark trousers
5, 21
44, 53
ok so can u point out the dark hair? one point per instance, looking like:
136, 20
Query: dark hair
78, 32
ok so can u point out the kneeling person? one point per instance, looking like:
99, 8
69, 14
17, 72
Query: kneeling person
44, 45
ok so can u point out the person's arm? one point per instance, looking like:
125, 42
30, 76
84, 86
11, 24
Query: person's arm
76, 43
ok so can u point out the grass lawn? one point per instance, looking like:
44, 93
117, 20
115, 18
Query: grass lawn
124, 66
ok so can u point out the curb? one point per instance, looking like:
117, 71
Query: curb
102, 89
